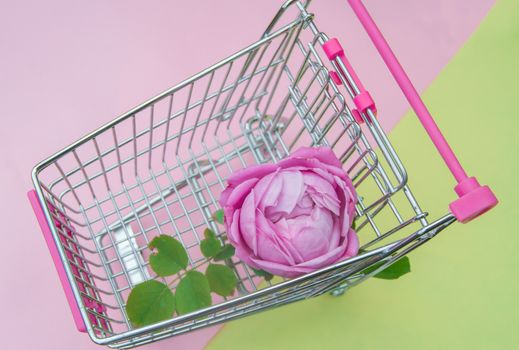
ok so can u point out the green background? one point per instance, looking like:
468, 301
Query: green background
462, 293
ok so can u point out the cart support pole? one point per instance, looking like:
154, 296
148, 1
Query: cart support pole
474, 199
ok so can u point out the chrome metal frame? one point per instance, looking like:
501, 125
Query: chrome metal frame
106, 195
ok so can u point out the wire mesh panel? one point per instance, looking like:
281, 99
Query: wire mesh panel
160, 169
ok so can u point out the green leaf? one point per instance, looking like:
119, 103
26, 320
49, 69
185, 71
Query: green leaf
210, 245
218, 216
261, 273
394, 271
354, 225
170, 258
150, 302
222, 279
193, 293
226, 252
208, 233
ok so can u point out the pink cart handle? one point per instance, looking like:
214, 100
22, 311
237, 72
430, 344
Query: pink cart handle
51, 244
474, 199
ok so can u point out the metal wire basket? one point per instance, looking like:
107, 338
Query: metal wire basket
160, 168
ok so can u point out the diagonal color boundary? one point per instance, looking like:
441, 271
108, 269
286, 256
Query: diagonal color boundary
462, 292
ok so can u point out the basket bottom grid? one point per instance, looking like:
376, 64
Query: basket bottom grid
178, 200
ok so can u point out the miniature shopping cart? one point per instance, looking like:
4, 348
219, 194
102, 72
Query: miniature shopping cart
160, 168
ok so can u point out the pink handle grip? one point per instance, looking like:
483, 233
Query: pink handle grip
474, 199
333, 49
47, 234
363, 100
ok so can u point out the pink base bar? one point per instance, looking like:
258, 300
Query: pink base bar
47, 234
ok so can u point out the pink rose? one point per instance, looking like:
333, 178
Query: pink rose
292, 217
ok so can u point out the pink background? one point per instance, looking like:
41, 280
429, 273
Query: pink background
69, 66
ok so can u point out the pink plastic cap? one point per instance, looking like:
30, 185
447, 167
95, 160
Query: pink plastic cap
474, 200
364, 101
332, 48
335, 77
357, 116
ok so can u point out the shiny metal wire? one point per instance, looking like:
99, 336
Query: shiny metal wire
160, 168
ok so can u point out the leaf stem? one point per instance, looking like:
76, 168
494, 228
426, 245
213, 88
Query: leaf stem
180, 275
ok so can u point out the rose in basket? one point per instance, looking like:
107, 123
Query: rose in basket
285, 219
292, 217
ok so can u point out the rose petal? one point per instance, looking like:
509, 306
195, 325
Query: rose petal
237, 195
321, 192
311, 235
269, 251
348, 205
319, 183
323, 154
280, 269
268, 190
233, 231
224, 196
228, 213
291, 192
303, 163
338, 254
329, 258
336, 237
269, 247
245, 255
257, 171
353, 245
282, 228
310, 244
248, 222
348, 188
325, 174
300, 210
